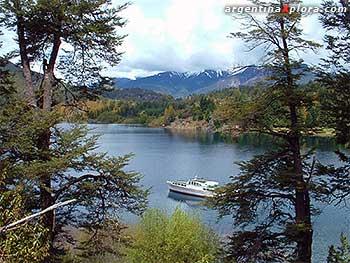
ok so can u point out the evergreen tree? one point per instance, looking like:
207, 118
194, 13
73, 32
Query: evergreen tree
26, 243
7, 88
55, 163
87, 27
335, 73
270, 200
340, 254
98, 182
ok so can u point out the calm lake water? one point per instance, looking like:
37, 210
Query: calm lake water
162, 155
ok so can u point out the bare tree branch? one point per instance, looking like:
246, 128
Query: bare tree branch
13, 225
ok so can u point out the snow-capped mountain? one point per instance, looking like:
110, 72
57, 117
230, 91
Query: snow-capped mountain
176, 83
185, 83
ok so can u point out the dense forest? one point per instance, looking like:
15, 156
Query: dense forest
61, 200
222, 111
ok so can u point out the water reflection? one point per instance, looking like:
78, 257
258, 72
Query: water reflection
191, 201
251, 139
190, 135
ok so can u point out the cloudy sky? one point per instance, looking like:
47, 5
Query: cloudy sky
187, 35
183, 35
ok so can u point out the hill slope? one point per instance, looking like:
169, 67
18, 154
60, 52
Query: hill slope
183, 84
135, 94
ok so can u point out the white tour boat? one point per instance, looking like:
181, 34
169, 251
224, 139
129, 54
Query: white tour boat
197, 187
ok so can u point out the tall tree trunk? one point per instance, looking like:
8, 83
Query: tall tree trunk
302, 203
27, 74
302, 206
47, 87
44, 144
46, 197
49, 77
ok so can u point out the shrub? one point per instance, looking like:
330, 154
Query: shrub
178, 238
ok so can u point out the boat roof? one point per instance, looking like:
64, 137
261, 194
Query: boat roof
204, 181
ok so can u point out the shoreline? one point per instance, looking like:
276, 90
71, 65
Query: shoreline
225, 130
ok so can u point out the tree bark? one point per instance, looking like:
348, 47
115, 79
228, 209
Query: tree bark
302, 207
302, 204
27, 74
46, 197
49, 77
47, 90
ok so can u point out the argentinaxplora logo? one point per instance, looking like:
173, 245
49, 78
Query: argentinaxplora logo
284, 8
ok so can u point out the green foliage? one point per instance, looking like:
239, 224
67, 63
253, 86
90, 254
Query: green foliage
340, 254
108, 117
169, 114
231, 107
334, 72
127, 111
263, 193
99, 182
177, 238
270, 199
202, 108
6, 84
89, 27
338, 104
7, 89
24, 243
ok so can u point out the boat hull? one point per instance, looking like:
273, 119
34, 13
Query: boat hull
189, 191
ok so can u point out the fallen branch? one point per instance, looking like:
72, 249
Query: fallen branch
26, 219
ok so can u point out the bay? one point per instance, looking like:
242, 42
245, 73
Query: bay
161, 155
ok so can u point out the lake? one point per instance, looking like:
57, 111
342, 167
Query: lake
162, 155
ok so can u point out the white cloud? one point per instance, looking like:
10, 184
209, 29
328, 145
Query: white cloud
188, 35
184, 35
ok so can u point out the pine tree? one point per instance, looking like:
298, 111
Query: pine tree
340, 254
270, 200
7, 88
51, 162
27, 243
98, 182
87, 27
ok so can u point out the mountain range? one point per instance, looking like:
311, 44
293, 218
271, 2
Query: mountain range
134, 94
177, 84
181, 84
